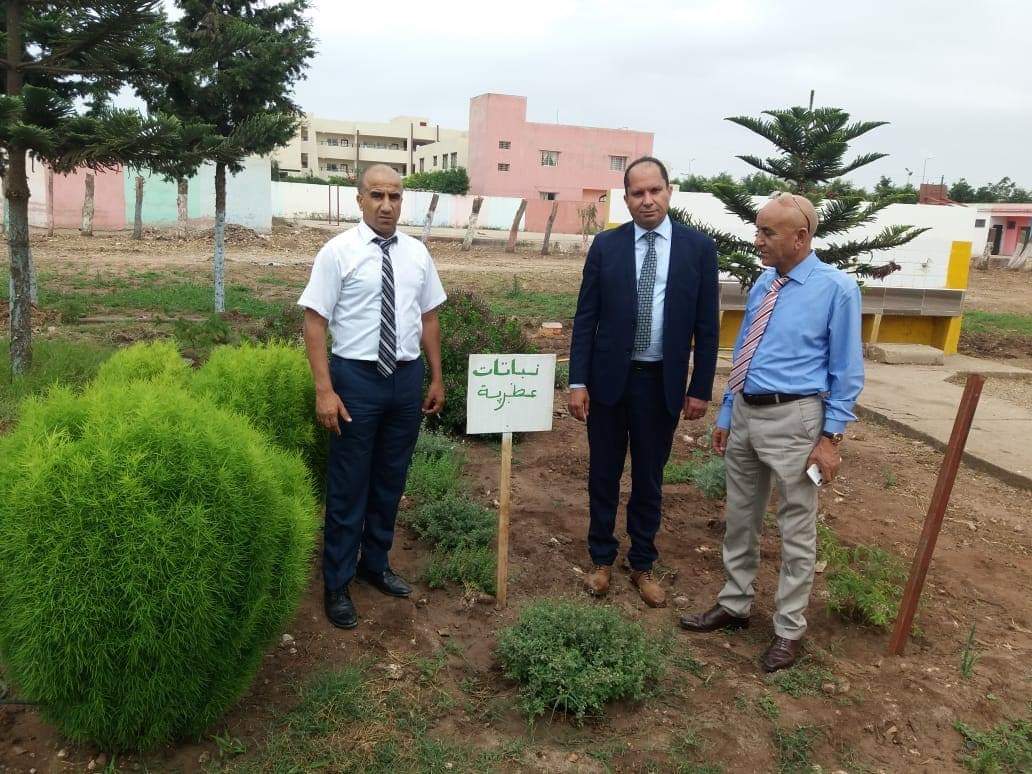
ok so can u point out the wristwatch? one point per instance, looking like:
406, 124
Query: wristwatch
835, 438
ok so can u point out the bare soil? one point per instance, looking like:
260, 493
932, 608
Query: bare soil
888, 714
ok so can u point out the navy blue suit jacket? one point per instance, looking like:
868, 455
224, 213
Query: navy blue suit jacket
607, 307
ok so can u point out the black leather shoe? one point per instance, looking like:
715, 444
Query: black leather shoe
340, 609
387, 582
781, 654
713, 619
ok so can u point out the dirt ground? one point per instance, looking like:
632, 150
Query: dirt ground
886, 714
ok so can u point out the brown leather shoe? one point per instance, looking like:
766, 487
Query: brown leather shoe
597, 582
713, 619
651, 592
781, 654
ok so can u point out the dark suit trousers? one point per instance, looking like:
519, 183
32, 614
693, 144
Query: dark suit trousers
642, 419
368, 463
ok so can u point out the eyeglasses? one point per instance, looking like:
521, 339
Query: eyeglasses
791, 198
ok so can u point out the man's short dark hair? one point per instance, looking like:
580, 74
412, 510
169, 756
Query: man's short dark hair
644, 160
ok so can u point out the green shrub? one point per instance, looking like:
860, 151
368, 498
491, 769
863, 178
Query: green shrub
198, 339
571, 658
436, 467
54, 361
270, 384
449, 181
151, 546
452, 521
468, 327
472, 566
865, 583
707, 474
1004, 749
145, 361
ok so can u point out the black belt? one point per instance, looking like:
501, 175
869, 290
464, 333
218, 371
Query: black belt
647, 365
772, 398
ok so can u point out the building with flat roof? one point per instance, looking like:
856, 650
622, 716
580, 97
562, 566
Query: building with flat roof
510, 156
325, 147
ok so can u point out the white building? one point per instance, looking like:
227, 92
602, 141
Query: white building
325, 147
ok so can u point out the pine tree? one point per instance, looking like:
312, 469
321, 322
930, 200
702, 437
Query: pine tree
231, 65
59, 56
812, 144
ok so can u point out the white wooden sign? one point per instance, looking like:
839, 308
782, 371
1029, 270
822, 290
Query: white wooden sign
509, 393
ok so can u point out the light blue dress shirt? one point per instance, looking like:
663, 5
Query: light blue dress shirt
654, 352
812, 342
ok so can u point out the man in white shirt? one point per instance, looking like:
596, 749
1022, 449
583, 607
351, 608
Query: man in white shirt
377, 291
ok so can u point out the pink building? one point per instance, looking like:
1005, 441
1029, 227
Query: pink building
510, 156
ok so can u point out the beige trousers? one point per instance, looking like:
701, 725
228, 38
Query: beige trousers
770, 444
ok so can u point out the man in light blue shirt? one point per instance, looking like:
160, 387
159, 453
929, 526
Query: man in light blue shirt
796, 371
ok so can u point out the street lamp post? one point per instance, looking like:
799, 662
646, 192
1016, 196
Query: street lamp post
924, 168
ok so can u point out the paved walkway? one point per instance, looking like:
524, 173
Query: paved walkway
918, 402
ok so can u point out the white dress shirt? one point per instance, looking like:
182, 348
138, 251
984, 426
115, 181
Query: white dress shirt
346, 287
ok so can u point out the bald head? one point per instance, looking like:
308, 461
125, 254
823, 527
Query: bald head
378, 173
784, 230
797, 208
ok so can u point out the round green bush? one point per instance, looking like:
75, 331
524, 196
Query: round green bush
469, 327
571, 658
151, 547
270, 384
144, 361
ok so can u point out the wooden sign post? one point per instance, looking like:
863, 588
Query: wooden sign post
936, 514
507, 394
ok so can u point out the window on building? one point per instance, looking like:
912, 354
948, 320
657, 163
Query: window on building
435, 161
421, 164
504, 144
395, 146
979, 222
503, 167
304, 134
454, 160
617, 163
1011, 225
549, 158
444, 161
332, 141
304, 161
331, 167
548, 195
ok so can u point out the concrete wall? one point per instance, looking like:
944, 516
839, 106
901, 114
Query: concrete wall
924, 261
567, 218
108, 200
584, 152
300, 200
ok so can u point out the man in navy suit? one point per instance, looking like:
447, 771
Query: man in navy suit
649, 293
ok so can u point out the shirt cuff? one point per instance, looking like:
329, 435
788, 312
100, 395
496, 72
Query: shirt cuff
724, 418
834, 426
307, 303
578, 386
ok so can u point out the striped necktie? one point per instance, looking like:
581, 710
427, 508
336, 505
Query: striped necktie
387, 362
740, 367
646, 287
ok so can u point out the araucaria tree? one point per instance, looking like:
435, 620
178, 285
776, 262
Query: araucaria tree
56, 57
232, 65
811, 147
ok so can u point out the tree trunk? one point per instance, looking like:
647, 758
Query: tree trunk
220, 237
50, 201
138, 214
87, 207
182, 216
16, 193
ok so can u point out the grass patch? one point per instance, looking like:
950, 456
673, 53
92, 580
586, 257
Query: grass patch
865, 583
172, 298
998, 322
969, 655
704, 471
794, 748
768, 707
516, 301
804, 679
1005, 748
686, 748
54, 361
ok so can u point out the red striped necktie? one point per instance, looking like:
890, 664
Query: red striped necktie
740, 366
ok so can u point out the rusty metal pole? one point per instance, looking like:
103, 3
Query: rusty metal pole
936, 513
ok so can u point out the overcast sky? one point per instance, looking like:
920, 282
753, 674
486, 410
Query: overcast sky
953, 78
